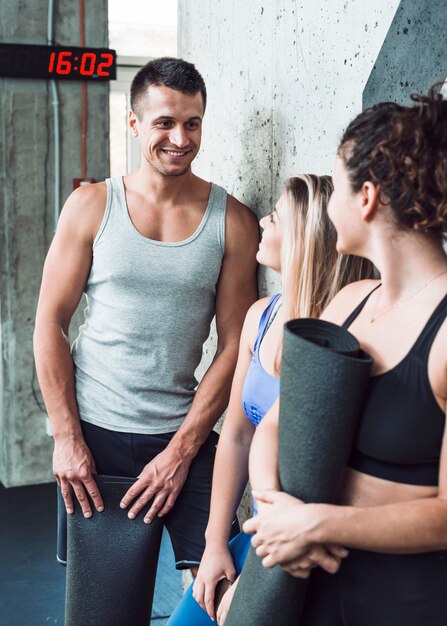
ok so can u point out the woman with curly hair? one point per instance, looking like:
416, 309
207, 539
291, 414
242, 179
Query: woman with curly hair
390, 206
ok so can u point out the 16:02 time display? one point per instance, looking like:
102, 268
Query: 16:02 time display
57, 62
87, 63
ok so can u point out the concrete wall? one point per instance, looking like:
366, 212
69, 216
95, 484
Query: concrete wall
27, 200
285, 77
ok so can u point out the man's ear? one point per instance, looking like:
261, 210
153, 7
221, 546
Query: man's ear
370, 195
133, 123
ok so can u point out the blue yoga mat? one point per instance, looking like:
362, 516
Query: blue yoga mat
188, 612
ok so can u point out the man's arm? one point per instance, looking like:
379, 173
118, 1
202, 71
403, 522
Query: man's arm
65, 272
163, 478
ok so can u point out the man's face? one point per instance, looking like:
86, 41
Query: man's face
169, 129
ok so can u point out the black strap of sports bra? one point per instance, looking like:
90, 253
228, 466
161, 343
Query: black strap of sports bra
347, 323
425, 340
422, 346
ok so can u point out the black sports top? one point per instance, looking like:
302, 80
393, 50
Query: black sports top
401, 426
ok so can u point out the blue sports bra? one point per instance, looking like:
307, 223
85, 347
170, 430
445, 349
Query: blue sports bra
401, 427
260, 389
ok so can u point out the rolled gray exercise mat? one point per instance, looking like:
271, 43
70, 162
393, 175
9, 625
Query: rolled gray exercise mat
324, 378
111, 562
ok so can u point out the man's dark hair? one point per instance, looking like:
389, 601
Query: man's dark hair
166, 72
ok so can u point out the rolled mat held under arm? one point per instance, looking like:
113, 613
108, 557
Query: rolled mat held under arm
111, 562
324, 378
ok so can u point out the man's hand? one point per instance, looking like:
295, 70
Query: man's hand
283, 536
216, 564
73, 467
161, 481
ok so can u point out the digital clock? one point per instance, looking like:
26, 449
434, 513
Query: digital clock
61, 62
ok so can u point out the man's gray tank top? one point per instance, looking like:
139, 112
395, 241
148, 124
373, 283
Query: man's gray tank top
149, 309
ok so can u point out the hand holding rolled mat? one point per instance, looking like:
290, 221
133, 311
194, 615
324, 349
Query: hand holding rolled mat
111, 563
282, 535
324, 378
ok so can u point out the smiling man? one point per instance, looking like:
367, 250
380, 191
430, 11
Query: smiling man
158, 253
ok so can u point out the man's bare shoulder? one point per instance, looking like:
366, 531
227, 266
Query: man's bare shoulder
242, 231
347, 299
240, 215
84, 210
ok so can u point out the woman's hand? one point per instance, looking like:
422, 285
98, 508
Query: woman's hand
225, 603
284, 535
328, 557
216, 564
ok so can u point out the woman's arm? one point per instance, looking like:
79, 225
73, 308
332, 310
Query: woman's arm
230, 474
286, 527
263, 460
264, 475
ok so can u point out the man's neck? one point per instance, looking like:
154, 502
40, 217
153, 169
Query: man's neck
159, 188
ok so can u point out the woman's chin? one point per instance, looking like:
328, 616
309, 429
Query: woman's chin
263, 260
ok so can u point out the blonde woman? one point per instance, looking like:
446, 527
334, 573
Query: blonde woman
298, 242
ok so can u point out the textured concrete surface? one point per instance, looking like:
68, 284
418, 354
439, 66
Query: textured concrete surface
284, 78
413, 55
26, 195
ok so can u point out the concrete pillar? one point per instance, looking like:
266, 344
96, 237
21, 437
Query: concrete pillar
27, 199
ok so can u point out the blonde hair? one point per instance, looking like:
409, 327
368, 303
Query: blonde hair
312, 271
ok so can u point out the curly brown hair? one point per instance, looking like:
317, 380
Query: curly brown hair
403, 150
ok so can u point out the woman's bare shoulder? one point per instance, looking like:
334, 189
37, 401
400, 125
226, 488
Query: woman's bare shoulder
252, 319
347, 299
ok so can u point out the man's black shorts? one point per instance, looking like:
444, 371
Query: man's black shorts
126, 454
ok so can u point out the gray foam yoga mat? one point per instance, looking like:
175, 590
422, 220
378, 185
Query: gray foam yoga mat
324, 377
112, 563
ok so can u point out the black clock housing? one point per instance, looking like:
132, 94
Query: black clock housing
59, 62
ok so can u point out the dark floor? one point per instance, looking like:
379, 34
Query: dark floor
32, 583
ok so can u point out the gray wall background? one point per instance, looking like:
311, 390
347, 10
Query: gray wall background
27, 201
284, 78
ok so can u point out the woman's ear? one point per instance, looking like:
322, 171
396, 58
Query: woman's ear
370, 196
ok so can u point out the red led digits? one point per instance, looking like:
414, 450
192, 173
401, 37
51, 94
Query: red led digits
63, 66
51, 63
102, 67
59, 63
88, 61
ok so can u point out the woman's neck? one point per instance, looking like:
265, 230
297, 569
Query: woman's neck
407, 260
